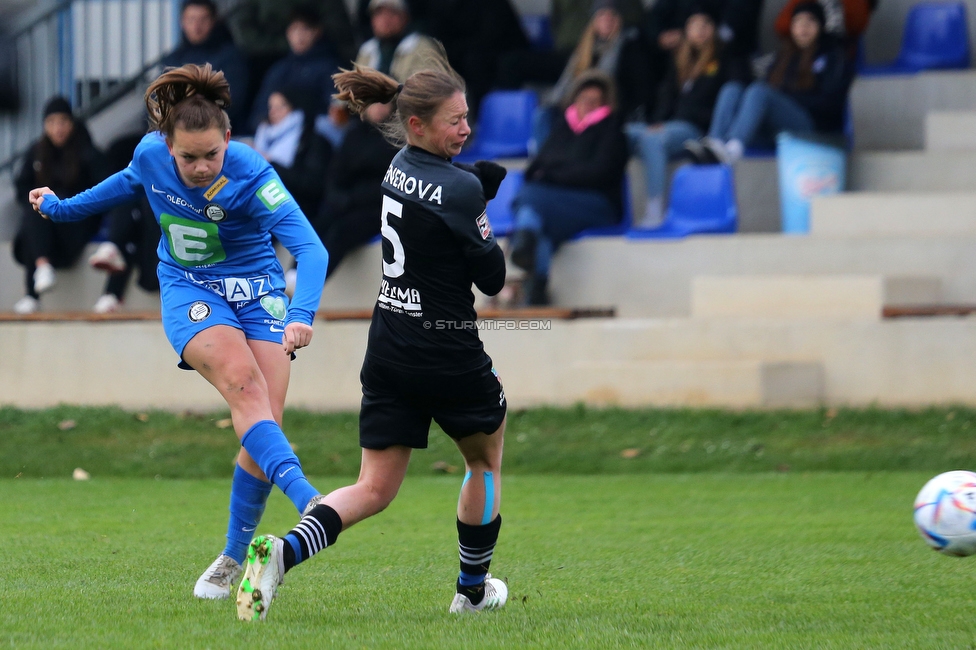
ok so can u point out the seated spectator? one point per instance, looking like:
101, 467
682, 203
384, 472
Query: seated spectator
568, 19
805, 91
574, 183
65, 160
737, 27
307, 68
419, 14
395, 49
133, 236
287, 139
350, 215
259, 28
699, 68
845, 20
207, 40
605, 46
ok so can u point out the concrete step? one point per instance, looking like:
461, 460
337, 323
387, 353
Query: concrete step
694, 383
913, 171
950, 130
889, 111
859, 214
674, 362
808, 296
649, 278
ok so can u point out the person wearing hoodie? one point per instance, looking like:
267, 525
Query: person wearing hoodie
206, 39
307, 68
64, 159
805, 91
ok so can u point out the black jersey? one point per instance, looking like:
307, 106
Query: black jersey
434, 230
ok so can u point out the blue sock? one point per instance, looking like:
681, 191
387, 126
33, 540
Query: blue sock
248, 496
267, 445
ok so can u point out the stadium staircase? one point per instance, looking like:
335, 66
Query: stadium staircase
871, 307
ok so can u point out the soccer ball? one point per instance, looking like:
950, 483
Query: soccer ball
945, 513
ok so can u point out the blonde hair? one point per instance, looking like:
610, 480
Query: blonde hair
191, 97
583, 54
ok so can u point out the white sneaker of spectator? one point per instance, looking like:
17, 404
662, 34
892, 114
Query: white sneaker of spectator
107, 257
107, 304
26, 305
44, 278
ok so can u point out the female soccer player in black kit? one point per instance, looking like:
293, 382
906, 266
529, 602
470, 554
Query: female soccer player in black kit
424, 359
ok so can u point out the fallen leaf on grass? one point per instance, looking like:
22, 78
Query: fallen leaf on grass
630, 453
66, 425
441, 466
142, 417
223, 424
80, 474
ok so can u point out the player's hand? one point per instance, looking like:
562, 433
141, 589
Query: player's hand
490, 174
36, 197
297, 335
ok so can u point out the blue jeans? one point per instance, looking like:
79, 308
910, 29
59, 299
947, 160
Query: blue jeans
556, 214
754, 114
656, 146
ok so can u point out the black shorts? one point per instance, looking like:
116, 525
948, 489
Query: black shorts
399, 403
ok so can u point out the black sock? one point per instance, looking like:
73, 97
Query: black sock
476, 545
316, 531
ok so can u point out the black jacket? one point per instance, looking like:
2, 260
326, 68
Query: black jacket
64, 177
694, 101
595, 159
826, 100
357, 169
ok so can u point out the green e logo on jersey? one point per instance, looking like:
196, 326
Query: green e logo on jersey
192, 243
272, 194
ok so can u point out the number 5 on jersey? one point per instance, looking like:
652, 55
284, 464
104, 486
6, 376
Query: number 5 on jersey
392, 206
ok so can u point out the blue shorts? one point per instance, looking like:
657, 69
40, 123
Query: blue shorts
189, 307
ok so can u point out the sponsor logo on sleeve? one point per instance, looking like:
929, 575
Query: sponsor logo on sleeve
272, 194
484, 226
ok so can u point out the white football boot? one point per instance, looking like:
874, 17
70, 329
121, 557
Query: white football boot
496, 595
264, 569
217, 581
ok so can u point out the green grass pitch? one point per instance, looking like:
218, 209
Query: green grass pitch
707, 560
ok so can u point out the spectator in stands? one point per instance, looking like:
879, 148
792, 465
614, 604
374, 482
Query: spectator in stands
349, 217
208, 40
133, 236
804, 91
699, 68
419, 13
605, 46
287, 139
737, 23
574, 183
259, 27
308, 67
568, 19
395, 49
64, 159
845, 20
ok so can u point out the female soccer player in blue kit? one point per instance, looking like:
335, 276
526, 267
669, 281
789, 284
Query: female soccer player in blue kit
221, 287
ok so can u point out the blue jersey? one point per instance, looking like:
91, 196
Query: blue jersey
212, 233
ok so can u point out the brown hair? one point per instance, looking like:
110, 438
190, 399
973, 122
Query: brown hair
191, 97
593, 79
803, 78
421, 95
691, 62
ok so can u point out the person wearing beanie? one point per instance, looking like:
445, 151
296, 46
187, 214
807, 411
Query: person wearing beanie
845, 20
65, 159
805, 91
700, 66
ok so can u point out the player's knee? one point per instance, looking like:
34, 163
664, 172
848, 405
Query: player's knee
381, 495
242, 380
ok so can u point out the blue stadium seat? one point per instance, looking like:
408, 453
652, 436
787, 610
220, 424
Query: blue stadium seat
504, 126
499, 209
935, 38
702, 201
538, 30
626, 220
